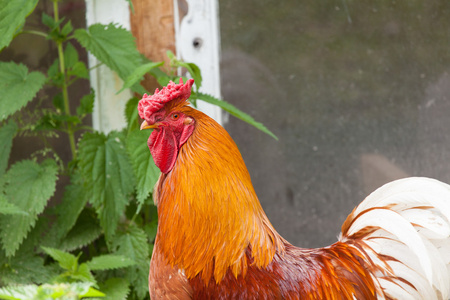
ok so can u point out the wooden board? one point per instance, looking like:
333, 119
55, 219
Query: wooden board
152, 24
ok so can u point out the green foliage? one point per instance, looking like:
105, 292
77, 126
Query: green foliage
7, 133
16, 83
96, 232
145, 170
62, 291
12, 18
114, 46
106, 166
28, 186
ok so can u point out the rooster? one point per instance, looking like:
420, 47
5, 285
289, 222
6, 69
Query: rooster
214, 240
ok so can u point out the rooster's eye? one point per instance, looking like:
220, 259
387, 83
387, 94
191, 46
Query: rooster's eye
175, 116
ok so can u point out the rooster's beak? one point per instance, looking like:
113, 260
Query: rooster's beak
144, 125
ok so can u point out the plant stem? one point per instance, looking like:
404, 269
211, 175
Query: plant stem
35, 32
65, 94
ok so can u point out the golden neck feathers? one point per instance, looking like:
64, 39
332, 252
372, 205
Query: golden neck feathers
208, 212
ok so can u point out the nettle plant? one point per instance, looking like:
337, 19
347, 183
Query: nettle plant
97, 238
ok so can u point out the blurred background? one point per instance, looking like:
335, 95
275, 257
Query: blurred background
358, 93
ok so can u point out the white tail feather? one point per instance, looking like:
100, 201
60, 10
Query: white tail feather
404, 227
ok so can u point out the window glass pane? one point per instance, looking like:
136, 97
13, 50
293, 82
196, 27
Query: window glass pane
358, 93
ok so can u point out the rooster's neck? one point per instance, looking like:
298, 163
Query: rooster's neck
208, 212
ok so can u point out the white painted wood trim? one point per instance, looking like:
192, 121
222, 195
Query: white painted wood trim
108, 108
197, 40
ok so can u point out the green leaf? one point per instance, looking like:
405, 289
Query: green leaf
86, 104
107, 171
131, 114
144, 167
151, 229
138, 75
109, 262
28, 186
83, 273
67, 291
18, 292
12, 17
113, 45
72, 203
134, 244
115, 288
18, 87
66, 260
53, 70
55, 121
192, 68
70, 55
62, 291
79, 70
67, 28
48, 21
84, 232
92, 293
131, 5
58, 102
25, 269
7, 208
7, 133
232, 110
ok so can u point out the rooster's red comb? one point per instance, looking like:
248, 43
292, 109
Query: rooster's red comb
149, 104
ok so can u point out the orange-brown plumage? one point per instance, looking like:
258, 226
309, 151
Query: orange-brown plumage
214, 240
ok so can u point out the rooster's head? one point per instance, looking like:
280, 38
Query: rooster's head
165, 111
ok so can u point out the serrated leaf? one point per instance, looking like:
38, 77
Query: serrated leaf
28, 186
86, 104
107, 171
144, 167
24, 268
73, 201
70, 55
138, 74
12, 17
134, 244
7, 133
115, 288
7, 208
113, 45
109, 262
84, 232
66, 260
232, 110
18, 87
